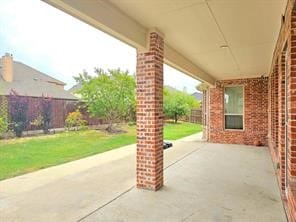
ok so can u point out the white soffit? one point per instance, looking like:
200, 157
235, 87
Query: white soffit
197, 29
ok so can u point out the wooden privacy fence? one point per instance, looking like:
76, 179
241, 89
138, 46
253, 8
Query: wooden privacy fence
195, 116
60, 110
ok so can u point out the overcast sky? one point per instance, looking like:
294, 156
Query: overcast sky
62, 46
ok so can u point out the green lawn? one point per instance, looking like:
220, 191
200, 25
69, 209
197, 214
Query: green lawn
19, 156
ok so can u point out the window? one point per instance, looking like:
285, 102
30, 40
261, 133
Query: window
234, 107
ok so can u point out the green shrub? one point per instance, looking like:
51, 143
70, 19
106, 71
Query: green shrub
3, 126
46, 113
132, 123
38, 121
75, 120
18, 108
3, 116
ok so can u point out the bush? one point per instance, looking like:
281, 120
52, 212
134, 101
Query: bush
3, 126
46, 113
132, 123
37, 122
75, 120
18, 112
3, 116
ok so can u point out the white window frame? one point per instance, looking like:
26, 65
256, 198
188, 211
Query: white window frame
232, 114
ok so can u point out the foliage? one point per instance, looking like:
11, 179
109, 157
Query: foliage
46, 113
178, 104
109, 94
38, 121
3, 126
18, 112
3, 115
75, 119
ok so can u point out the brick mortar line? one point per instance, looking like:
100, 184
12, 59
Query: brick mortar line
129, 189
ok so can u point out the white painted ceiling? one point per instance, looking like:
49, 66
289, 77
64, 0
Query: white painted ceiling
198, 29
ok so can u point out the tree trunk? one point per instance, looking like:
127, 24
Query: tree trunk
176, 118
109, 127
46, 127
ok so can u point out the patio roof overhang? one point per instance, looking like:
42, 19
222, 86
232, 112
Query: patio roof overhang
207, 39
202, 38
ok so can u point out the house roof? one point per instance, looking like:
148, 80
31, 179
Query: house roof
172, 89
197, 95
75, 88
28, 81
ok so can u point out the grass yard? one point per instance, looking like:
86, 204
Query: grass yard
19, 156
176, 131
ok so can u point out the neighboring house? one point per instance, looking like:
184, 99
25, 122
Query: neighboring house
197, 96
73, 90
29, 82
170, 88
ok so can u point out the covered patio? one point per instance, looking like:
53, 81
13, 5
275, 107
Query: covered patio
244, 53
239, 186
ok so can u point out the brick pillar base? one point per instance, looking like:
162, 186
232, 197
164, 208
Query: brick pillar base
150, 115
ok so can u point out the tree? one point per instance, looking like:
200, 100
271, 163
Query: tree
109, 94
46, 113
18, 109
178, 104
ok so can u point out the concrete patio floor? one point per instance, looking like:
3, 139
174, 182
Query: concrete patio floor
203, 182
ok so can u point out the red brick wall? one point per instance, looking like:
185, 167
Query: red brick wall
150, 115
276, 125
255, 113
292, 119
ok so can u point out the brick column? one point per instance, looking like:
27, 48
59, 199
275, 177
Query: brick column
205, 114
270, 113
281, 121
275, 107
150, 115
271, 110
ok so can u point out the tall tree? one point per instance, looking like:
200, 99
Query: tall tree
109, 94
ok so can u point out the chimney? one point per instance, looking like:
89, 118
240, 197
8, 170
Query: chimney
7, 67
